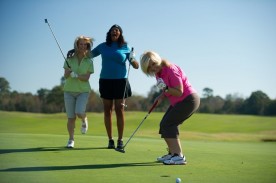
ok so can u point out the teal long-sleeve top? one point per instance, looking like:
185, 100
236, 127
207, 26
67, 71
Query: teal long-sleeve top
113, 60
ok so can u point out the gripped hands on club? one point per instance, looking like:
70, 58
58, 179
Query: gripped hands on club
132, 60
162, 86
69, 72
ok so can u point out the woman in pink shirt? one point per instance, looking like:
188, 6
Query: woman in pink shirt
183, 99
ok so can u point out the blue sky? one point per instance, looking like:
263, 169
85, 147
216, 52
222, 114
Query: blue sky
226, 45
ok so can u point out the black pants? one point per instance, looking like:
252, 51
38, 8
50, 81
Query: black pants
176, 115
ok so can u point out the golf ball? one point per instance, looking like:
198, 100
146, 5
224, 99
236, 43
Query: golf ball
178, 180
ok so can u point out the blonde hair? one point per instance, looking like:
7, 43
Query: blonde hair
145, 58
88, 41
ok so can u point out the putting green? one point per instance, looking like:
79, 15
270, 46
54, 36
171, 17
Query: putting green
218, 148
43, 158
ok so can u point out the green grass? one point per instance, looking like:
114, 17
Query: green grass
198, 127
219, 148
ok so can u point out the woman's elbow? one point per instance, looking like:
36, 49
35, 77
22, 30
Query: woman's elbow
179, 93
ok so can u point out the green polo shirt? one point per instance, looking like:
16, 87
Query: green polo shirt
74, 84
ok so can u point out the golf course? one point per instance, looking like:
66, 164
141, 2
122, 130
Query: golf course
218, 148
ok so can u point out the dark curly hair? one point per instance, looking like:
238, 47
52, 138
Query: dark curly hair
121, 41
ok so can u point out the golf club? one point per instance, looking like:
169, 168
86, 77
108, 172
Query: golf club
46, 21
124, 104
123, 149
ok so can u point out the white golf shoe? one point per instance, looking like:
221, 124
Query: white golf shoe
84, 126
164, 158
70, 144
175, 160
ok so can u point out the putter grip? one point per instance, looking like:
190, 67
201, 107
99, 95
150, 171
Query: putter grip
153, 106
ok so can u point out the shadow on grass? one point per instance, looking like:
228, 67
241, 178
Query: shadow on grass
78, 167
44, 149
269, 140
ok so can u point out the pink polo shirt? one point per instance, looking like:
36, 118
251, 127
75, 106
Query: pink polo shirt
173, 76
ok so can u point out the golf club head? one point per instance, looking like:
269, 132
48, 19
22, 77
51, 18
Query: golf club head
120, 150
46, 21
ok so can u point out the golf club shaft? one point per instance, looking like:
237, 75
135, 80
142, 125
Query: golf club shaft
46, 21
153, 106
126, 82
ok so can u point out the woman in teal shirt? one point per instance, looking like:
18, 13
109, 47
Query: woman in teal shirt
113, 79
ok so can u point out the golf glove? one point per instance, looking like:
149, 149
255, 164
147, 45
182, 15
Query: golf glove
73, 75
160, 84
131, 56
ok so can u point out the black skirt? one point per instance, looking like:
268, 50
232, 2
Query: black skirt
114, 88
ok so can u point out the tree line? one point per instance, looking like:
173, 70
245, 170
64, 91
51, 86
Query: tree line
51, 101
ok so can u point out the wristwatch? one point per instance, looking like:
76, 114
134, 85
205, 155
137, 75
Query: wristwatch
166, 89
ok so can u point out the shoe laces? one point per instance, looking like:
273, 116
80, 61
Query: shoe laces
120, 142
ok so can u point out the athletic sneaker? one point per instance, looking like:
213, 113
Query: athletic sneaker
111, 144
84, 126
164, 158
70, 144
176, 160
120, 144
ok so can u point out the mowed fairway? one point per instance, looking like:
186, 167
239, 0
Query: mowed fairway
219, 148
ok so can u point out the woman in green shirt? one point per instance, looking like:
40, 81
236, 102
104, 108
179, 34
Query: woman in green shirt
76, 88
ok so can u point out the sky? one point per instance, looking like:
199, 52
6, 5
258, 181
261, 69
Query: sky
226, 45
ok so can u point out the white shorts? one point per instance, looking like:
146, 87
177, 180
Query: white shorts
75, 103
